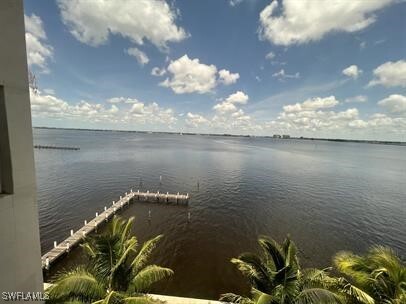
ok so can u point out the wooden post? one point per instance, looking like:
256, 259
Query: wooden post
67, 246
47, 263
105, 208
85, 222
71, 232
54, 244
97, 214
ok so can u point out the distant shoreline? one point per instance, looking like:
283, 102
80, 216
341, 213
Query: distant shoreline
378, 142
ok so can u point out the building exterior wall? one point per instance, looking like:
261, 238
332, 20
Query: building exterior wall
20, 254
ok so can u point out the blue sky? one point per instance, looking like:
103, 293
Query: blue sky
305, 68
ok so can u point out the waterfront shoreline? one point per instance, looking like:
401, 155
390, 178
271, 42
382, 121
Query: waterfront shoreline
363, 141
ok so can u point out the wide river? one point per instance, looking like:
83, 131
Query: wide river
328, 196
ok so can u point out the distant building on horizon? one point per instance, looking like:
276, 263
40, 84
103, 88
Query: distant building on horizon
276, 136
285, 136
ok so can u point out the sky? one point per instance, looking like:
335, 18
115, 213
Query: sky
306, 68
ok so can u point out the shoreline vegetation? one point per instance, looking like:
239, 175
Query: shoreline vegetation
119, 272
363, 141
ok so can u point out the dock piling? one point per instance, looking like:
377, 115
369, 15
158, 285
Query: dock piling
71, 232
55, 244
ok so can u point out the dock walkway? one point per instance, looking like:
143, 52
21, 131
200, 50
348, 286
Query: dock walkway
56, 147
76, 237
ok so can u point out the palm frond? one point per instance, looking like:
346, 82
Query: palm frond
255, 270
142, 257
147, 276
78, 284
356, 293
113, 297
126, 230
129, 247
273, 250
88, 249
235, 298
318, 295
353, 266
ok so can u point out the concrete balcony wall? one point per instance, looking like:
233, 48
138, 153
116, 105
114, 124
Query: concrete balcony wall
20, 256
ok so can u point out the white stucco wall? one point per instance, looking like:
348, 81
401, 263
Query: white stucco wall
20, 256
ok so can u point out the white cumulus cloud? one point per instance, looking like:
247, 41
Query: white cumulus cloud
228, 105
92, 21
121, 111
312, 104
38, 51
141, 57
191, 76
158, 72
394, 103
228, 78
296, 22
390, 74
195, 120
352, 71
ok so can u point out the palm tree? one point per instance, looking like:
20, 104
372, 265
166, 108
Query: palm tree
276, 277
380, 274
116, 272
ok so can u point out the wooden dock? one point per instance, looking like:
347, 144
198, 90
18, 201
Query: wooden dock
76, 237
56, 147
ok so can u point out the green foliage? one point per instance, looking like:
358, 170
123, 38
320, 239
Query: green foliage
377, 277
116, 273
275, 276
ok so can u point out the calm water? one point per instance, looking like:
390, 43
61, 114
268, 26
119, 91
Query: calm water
327, 196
